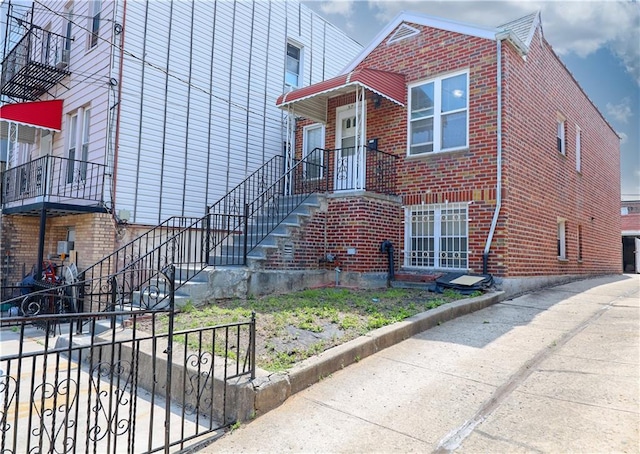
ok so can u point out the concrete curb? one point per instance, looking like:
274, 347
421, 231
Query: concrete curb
271, 391
246, 399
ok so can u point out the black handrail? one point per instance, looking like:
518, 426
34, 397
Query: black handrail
230, 230
59, 179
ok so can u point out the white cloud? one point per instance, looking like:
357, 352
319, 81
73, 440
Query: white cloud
581, 27
341, 7
621, 111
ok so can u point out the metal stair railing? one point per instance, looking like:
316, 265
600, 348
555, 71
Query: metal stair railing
115, 278
260, 206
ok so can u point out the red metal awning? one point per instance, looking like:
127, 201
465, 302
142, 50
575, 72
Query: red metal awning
311, 101
30, 116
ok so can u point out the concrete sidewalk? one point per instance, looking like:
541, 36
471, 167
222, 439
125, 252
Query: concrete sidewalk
552, 371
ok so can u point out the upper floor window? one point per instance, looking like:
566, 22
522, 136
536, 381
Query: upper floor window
439, 115
94, 22
560, 136
64, 54
578, 149
293, 65
78, 139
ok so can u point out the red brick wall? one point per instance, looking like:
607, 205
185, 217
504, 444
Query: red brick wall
462, 176
539, 184
542, 184
359, 222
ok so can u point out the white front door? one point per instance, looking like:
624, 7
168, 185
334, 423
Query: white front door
637, 252
346, 174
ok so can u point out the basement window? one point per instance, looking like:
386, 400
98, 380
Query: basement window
562, 239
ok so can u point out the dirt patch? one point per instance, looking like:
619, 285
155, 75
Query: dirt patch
293, 327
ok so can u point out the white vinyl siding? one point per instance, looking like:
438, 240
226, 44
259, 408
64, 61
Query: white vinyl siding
226, 125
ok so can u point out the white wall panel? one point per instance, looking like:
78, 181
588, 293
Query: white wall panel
231, 126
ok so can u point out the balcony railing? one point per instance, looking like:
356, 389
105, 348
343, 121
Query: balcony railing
354, 168
37, 63
54, 179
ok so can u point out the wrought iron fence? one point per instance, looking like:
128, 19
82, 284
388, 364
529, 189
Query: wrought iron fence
126, 381
127, 273
56, 179
359, 168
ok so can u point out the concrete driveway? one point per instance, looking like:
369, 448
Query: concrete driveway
553, 371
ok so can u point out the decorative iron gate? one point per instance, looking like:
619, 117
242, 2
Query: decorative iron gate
122, 381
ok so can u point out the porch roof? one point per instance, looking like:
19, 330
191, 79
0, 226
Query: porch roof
311, 101
31, 116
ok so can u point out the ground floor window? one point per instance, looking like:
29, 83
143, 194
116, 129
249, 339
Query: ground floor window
436, 236
562, 239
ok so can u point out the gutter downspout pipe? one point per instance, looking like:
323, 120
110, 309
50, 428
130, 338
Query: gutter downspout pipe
496, 213
116, 148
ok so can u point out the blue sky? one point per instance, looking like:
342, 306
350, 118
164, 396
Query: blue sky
598, 41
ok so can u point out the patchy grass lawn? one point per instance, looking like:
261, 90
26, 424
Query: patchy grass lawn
295, 326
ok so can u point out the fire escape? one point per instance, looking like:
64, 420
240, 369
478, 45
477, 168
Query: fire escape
34, 65
35, 60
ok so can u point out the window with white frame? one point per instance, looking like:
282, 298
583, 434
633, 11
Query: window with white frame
439, 114
293, 70
437, 236
94, 22
562, 239
560, 134
64, 54
313, 142
71, 146
78, 139
85, 143
578, 149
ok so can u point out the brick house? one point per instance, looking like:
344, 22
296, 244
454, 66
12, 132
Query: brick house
471, 149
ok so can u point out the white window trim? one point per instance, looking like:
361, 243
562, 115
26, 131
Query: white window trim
95, 7
72, 144
79, 143
561, 236
305, 131
578, 149
437, 234
561, 134
300, 64
437, 116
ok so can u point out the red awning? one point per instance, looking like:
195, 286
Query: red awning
30, 116
311, 101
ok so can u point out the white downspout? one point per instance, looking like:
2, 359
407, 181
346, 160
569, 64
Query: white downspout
496, 213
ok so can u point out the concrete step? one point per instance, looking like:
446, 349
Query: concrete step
233, 254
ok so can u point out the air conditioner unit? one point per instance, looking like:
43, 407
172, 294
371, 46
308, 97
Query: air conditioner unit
64, 247
63, 61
